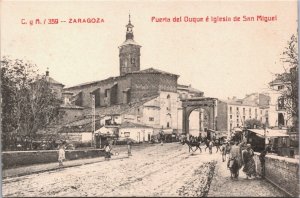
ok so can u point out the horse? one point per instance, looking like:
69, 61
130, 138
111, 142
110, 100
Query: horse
192, 144
233, 167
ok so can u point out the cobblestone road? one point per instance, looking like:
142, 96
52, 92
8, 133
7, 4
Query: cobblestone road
167, 170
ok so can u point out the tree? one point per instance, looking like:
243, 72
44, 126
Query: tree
253, 123
289, 81
28, 103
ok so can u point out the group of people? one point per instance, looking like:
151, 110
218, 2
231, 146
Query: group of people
242, 155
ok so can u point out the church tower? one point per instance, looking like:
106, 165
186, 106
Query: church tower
129, 53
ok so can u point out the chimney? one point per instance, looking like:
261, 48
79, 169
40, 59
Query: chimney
47, 71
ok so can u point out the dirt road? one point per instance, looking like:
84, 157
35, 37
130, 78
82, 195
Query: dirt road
167, 170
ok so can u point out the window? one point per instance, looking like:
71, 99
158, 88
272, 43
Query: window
260, 112
281, 103
237, 110
244, 118
230, 116
244, 111
127, 134
280, 87
168, 124
106, 92
151, 119
230, 110
132, 60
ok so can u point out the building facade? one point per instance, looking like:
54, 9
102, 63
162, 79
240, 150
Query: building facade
234, 112
148, 97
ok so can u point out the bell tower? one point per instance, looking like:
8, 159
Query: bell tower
129, 52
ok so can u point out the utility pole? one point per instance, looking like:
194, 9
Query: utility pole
94, 112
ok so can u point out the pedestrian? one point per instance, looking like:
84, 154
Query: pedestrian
61, 155
223, 152
236, 154
210, 146
206, 144
107, 149
129, 143
262, 160
249, 163
217, 144
228, 147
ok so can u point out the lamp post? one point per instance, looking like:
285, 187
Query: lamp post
93, 133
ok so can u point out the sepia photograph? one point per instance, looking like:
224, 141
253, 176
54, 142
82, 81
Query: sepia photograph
149, 98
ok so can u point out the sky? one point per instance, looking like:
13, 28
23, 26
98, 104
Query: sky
223, 59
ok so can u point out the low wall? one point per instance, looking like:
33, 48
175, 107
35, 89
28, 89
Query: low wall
13, 159
282, 172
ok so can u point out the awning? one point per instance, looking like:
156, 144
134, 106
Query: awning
270, 132
167, 131
238, 130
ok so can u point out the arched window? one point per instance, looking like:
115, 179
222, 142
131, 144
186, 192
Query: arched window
168, 103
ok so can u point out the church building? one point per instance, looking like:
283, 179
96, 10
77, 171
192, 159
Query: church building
148, 97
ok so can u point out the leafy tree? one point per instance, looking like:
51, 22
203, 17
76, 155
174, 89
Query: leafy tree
253, 123
289, 80
28, 103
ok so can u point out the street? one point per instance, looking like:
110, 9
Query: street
153, 170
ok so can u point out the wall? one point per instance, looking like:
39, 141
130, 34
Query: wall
168, 109
282, 172
222, 118
22, 158
143, 84
137, 134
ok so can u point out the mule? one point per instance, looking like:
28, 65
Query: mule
193, 144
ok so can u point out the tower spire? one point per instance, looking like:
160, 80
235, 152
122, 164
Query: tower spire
129, 32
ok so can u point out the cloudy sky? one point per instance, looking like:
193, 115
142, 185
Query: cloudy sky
223, 59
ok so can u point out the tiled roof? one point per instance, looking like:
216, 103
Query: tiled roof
133, 125
281, 78
52, 81
85, 123
92, 82
152, 71
70, 106
188, 88
123, 108
129, 42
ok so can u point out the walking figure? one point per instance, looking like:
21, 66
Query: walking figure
217, 144
61, 155
223, 152
107, 150
249, 167
235, 160
210, 146
129, 143
262, 160
207, 144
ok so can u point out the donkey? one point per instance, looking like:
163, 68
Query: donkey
193, 144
